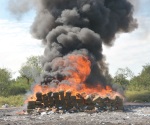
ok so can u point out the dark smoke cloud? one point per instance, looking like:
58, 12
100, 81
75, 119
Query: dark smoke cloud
104, 17
79, 26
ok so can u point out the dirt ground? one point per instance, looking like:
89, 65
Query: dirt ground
134, 114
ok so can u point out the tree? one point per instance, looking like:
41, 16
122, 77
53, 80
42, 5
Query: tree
5, 75
146, 70
123, 76
141, 81
31, 69
126, 73
5, 79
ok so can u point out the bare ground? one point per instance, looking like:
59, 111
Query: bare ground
134, 114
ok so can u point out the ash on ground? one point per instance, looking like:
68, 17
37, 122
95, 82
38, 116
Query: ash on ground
133, 114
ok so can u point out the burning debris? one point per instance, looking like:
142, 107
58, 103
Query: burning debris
71, 93
61, 102
73, 32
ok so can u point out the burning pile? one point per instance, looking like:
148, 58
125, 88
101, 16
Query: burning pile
76, 95
62, 102
73, 32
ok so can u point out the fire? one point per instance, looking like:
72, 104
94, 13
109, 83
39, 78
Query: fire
81, 68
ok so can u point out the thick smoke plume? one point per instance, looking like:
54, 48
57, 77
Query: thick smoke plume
78, 27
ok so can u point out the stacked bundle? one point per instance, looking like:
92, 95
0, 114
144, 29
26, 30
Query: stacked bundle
64, 101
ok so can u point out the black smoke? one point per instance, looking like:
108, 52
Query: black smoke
79, 27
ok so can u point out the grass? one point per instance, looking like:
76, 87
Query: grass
17, 100
132, 96
138, 96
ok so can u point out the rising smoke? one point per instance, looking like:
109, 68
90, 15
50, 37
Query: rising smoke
77, 27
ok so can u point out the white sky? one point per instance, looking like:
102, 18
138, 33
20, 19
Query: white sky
129, 50
16, 45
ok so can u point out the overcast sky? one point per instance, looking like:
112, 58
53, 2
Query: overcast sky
130, 50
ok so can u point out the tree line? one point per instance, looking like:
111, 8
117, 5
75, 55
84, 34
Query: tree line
29, 72
32, 69
128, 81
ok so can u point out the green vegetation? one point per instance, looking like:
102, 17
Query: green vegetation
137, 88
31, 69
142, 81
138, 96
14, 87
12, 91
17, 100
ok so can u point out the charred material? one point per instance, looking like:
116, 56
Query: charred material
65, 101
47, 80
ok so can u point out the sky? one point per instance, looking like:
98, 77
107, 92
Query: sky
130, 50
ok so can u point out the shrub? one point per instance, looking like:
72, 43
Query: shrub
12, 100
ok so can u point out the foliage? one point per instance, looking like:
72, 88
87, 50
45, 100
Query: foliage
17, 100
142, 81
138, 96
126, 72
122, 76
5, 75
137, 87
18, 87
10, 86
31, 69
146, 69
5, 80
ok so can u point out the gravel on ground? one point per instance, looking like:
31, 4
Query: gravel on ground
133, 114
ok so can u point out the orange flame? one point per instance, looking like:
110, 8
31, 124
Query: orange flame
81, 70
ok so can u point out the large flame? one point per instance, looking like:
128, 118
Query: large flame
76, 79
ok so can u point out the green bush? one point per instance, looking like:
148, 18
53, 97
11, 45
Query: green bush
12, 100
15, 88
138, 96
